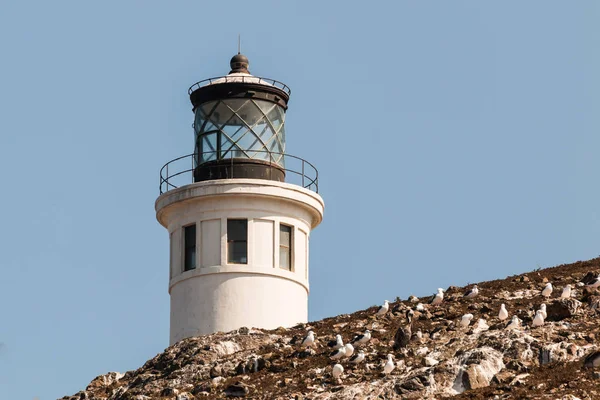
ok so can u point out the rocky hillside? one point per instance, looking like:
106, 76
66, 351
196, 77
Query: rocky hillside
440, 359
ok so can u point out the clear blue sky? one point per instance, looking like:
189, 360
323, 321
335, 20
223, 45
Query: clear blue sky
456, 142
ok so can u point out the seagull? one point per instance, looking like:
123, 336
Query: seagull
514, 323
383, 309
337, 371
474, 291
361, 339
439, 296
538, 320
593, 360
337, 354
404, 332
594, 282
349, 350
566, 293
337, 343
309, 340
589, 277
547, 291
420, 307
389, 365
503, 314
466, 320
543, 310
357, 358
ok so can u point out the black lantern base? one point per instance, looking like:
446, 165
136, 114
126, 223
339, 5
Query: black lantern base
238, 168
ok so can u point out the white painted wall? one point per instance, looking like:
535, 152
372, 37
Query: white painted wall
218, 296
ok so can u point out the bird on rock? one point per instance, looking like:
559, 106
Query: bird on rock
389, 365
337, 371
566, 293
383, 309
439, 296
336, 343
503, 313
474, 291
308, 340
543, 310
349, 350
404, 332
515, 323
466, 320
338, 354
593, 283
357, 358
361, 339
538, 320
547, 291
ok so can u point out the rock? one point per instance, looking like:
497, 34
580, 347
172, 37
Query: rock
216, 371
594, 302
560, 309
238, 389
169, 392
503, 377
477, 368
430, 361
545, 356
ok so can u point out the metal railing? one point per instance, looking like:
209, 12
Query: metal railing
180, 171
240, 79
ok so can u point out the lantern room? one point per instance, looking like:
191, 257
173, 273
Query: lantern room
239, 125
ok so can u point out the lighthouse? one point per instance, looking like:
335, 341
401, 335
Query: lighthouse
239, 211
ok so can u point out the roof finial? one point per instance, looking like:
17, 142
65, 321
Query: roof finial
239, 43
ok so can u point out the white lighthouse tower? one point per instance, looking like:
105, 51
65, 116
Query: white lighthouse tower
239, 211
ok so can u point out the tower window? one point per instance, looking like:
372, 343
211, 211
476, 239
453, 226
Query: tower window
285, 247
237, 241
189, 251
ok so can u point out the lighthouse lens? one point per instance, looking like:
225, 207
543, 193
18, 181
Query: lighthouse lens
240, 128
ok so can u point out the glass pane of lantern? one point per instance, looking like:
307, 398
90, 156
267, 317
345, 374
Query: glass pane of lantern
249, 113
208, 145
221, 114
276, 117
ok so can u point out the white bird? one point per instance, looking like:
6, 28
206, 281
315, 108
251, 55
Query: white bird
547, 291
337, 343
472, 293
543, 310
337, 354
309, 340
383, 309
357, 358
420, 307
514, 323
439, 296
361, 339
337, 371
538, 320
389, 365
566, 293
349, 350
503, 313
466, 320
